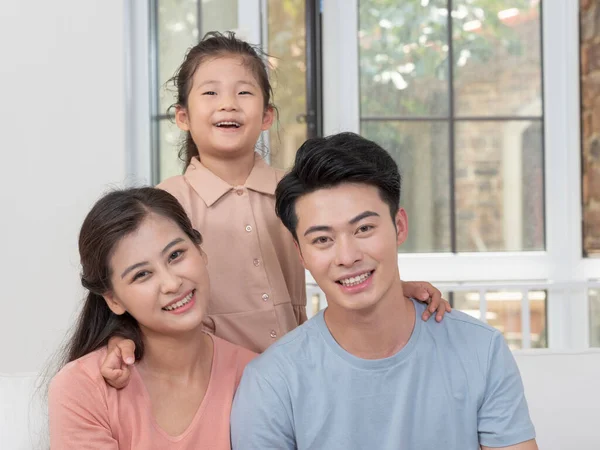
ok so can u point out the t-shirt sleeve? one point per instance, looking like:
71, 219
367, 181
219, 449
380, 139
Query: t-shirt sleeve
503, 417
78, 412
261, 415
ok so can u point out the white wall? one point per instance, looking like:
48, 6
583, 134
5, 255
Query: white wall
62, 140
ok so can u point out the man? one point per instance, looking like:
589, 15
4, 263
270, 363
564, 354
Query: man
365, 373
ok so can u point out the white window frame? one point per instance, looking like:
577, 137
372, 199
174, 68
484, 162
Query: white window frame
561, 267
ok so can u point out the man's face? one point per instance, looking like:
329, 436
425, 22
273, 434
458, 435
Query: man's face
348, 241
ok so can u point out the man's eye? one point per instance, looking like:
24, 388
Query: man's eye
321, 240
365, 228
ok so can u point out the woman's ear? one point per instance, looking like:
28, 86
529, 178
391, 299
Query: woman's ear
113, 304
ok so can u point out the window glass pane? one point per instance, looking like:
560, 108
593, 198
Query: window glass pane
219, 15
503, 312
590, 124
421, 151
499, 186
169, 139
287, 47
594, 298
403, 48
177, 31
497, 56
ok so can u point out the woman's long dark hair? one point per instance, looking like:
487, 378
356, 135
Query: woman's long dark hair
113, 217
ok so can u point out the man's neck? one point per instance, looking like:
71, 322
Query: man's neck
234, 170
183, 357
376, 333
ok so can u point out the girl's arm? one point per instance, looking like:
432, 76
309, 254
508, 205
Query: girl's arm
78, 412
427, 293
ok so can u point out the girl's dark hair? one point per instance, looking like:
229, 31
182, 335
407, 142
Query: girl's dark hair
113, 217
215, 45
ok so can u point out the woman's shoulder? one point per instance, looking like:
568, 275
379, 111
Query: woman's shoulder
232, 357
80, 375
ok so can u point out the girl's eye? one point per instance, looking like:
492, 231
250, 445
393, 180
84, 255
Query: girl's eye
321, 240
175, 255
140, 275
209, 93
245, 92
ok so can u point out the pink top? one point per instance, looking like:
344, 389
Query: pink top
258, 291
85, 413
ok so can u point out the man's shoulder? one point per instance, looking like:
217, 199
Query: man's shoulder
458, 321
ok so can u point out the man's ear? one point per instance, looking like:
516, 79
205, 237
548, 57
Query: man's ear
114, 304
299, 253
401, 222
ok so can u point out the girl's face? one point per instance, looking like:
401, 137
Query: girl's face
225, 113
159, 276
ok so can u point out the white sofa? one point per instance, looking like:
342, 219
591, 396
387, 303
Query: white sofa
562, 388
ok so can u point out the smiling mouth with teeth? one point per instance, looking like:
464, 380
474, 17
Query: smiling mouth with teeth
228, 125
353, 281
180, 303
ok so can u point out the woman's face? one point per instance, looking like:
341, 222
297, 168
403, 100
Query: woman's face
159, 276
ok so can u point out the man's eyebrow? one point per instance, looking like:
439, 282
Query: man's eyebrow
316, 228
362, 216
143, 263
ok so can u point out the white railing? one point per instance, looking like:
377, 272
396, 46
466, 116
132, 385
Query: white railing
521, 291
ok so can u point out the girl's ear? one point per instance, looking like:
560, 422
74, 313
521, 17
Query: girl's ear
182, 118
268, 118
113, 303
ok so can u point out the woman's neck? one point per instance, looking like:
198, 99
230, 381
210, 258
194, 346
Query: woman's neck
234, 170
186, 356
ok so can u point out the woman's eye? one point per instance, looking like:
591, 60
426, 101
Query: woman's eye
176, 254
139, 275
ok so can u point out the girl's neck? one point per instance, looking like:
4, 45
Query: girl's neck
234, 170
187, 356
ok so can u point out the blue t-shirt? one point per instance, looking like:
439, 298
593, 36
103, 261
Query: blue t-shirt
455, 385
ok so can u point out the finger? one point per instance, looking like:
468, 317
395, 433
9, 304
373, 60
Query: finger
441, 311
448, 306
426, 315
127, 350
436, 300
113, 342
122, 379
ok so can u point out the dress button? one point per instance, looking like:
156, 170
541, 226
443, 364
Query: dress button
273, 334
256, 262
239, 192
265, 297
248, 228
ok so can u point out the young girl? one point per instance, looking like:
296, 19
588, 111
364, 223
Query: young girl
257, 281
148, 282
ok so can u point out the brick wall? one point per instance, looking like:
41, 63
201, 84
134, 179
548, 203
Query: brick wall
590, 122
